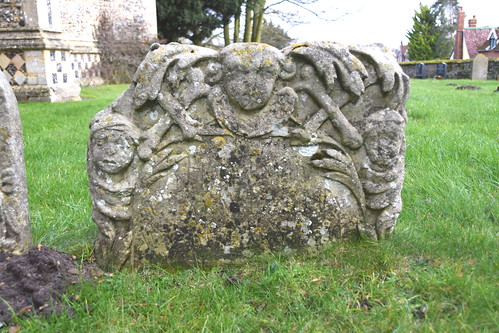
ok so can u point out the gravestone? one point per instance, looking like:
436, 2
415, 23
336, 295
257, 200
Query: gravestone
480, 67
442, 70
421, 71
15, 234
213, 156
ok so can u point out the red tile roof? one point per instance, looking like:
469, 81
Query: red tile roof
475, 38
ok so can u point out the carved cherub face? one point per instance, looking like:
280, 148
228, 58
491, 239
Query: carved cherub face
249, 74
113, 150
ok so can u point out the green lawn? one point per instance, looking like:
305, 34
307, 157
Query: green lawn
438, 273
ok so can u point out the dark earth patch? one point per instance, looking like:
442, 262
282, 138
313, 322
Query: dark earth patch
34, 283
468, 87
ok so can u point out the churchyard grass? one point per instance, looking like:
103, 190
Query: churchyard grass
438, 273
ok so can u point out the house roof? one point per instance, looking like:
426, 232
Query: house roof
485, 47
476, 38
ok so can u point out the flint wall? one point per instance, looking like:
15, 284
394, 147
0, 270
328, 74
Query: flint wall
460, 69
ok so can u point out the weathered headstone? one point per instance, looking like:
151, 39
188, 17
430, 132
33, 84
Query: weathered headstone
480, 67
442, 70
421, 71
217, 155
15, 233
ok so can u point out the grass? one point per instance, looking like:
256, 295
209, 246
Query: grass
438, 273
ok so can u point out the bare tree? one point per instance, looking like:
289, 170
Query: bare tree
255, 11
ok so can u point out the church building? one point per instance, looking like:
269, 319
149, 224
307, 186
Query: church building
48, 48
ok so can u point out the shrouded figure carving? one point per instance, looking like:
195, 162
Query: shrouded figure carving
382, 172
15, 233
213, 156
9, 229
112, 150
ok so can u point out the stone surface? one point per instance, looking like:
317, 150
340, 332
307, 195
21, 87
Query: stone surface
213, 156
15, 234
480, 67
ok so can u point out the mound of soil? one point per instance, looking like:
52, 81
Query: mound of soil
33, 283
468, 88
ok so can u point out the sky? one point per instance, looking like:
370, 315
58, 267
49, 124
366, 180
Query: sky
370, 21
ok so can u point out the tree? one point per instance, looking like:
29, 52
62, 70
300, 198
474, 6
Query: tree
445, 12
275, 35
120, 53
254, 13
194, 19
197, 19
253, 20
424, 35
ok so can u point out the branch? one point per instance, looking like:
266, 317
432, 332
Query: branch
298, 4
301, 4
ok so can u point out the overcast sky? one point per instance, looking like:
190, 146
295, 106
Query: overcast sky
373, 21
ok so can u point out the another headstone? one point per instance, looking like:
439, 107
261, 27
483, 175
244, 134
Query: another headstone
480, 67
421, 71
442, 70
15, 233
213, 156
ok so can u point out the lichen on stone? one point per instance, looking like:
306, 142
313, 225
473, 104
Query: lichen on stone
250, 149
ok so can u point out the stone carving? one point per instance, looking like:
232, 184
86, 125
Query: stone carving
15, 234
216, 155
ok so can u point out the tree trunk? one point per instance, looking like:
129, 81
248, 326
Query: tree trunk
258, 20
248, 20
237, 27
226, 34
196, 40
255, 25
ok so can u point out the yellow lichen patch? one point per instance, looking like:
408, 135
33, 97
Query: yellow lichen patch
219, 141
151, 211
208, 200
256, 151
204, 237
235, 239
142, 247
8, 200
161, 250
268, 61
228, 132
244, 55
4, 135
297, 45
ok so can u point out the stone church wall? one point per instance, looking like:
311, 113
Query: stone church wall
48, 48
11, 13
